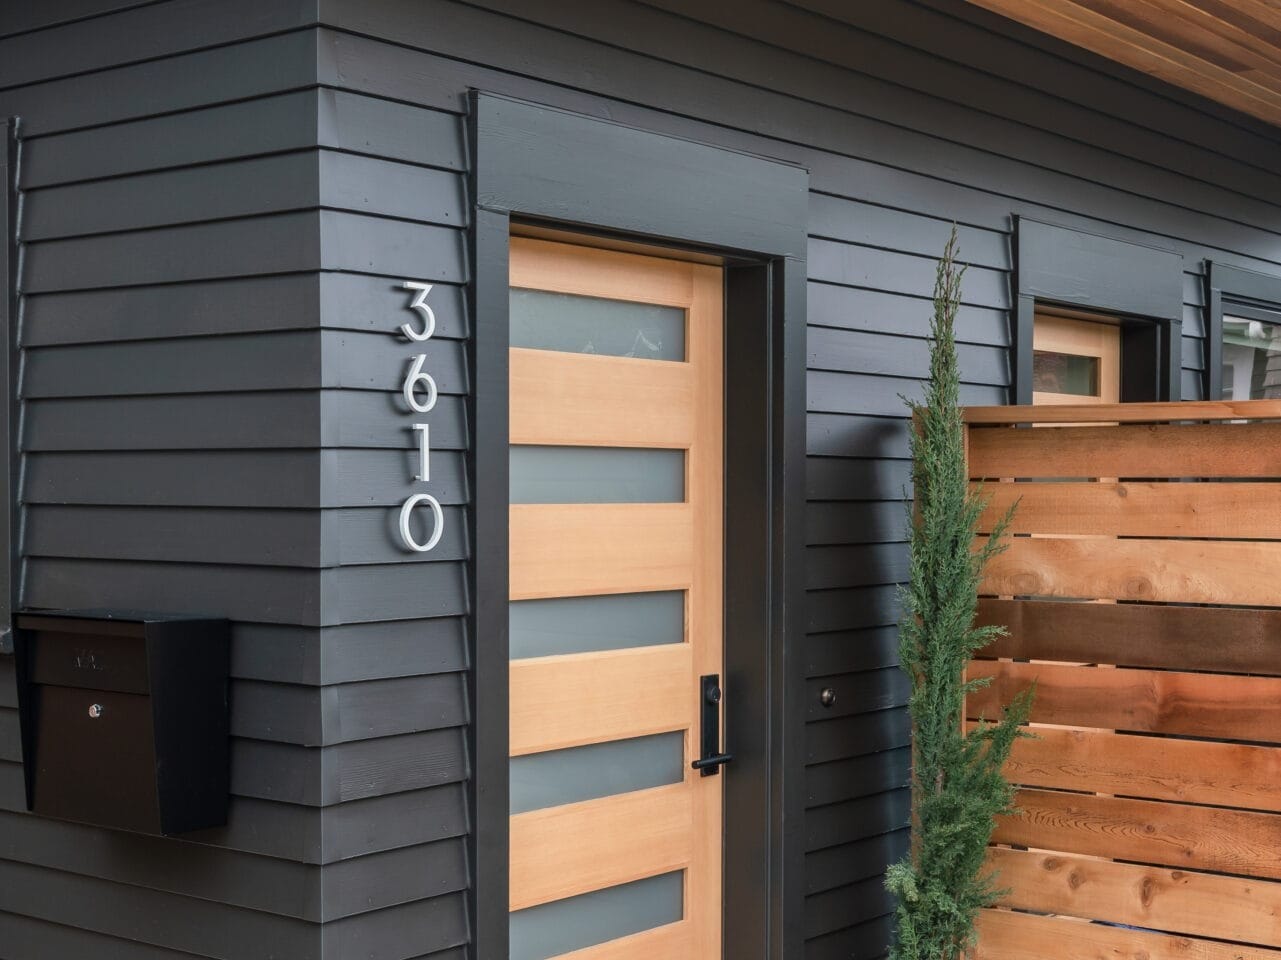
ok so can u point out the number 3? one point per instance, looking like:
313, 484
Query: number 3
420, 303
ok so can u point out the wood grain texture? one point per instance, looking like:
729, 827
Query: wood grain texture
581, 698
1247, 450
1174, 901
1149, 701
586, 399
584, 549
1174, 835
669, 940
573, 550
1164, 768
579, 847
1231, 59
1020, 936
1137, 509
1128, 412
1219, 639
595, 272
1177, 571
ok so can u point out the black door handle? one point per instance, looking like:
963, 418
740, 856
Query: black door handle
712, 759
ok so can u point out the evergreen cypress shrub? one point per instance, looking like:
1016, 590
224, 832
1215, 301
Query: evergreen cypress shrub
958, 787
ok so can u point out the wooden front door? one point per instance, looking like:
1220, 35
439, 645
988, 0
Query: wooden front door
616, 603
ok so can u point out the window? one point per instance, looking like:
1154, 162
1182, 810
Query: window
1251, 367
1243, 355
1124, 304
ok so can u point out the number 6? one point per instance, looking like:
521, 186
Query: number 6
412, 380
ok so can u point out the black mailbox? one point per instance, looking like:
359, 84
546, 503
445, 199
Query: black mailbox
124, 718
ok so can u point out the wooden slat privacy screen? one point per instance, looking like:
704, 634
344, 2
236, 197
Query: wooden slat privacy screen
1142, 591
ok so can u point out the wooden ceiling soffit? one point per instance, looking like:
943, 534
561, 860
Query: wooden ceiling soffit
1226, 50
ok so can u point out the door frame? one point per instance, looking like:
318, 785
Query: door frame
541, 165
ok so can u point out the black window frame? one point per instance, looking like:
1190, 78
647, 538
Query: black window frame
550, 167
1138, 285
1237, 292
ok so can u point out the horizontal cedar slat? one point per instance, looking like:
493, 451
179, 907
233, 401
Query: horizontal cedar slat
1151, 701
1164, 768
570, 550
1129, 412
1246, 510
581, 698
1153, 450
1021, 936
1175, 901
1181, 571
669, 940
1171, 834
1137, 635
580, 847
594, 400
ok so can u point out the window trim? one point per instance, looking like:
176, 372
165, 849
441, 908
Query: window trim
1140, 285
1244, 292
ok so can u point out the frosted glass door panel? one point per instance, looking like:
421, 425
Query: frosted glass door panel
541, 320
551, 929
596, 475
550, 779
544, 628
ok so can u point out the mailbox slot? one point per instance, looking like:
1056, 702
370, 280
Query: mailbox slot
98, 662
124, 719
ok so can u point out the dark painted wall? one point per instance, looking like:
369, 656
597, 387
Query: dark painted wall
208, 373
218, 199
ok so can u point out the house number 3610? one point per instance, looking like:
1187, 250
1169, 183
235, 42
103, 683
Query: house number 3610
419, 392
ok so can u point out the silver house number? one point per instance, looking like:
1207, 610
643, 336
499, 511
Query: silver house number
420, 395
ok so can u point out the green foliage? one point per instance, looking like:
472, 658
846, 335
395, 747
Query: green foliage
957, 783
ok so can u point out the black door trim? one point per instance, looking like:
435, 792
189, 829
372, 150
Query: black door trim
537, 163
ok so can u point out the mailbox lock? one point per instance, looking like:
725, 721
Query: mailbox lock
95, 711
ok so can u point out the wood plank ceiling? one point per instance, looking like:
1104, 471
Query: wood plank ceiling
1226, 50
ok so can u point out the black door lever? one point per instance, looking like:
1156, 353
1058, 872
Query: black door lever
710, 762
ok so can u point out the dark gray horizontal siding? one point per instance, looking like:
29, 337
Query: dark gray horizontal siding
200, 233
894, 159
258, 594
236, 188
237, 71
329, 655
830, 141
97, 42
24, 18
303, 273
281, 123
289, 814
26, 938
286, 243
152, 917
344, 301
